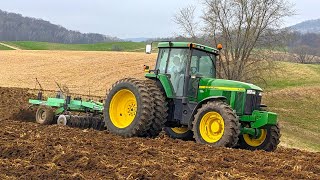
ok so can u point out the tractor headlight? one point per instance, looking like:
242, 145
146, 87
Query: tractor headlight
260, 93
251, 92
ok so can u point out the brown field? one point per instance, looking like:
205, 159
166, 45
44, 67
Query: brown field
80, 71
32, 151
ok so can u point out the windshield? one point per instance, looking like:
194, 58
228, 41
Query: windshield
203, 64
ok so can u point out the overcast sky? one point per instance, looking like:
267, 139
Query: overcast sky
125, 18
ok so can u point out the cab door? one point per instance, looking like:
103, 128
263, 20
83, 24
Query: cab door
202, 65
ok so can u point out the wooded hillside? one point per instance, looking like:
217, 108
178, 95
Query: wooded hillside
15, 27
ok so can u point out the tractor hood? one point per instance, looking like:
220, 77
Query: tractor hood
226, 85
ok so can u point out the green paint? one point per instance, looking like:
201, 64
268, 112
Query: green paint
74, 105
260, 119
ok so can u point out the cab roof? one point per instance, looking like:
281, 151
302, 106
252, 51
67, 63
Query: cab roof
187, 45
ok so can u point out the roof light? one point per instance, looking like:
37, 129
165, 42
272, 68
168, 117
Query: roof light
219, 46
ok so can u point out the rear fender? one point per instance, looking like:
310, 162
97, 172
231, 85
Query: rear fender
166, 85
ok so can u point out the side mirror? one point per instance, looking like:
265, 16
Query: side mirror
148, 49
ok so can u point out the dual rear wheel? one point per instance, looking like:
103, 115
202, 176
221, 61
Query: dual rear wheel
135, 108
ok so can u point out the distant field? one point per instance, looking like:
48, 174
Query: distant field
114, 46
293, 91
4, 47
292, 75
82, 71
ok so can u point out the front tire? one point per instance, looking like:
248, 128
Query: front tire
267, 141
182, 133
129, 108
216, 124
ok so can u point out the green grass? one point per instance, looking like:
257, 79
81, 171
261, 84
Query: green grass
299, 115
293, 75
4, 47
121, 46
294, 93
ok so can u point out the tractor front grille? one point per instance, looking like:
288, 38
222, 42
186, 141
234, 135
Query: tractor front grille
253, 102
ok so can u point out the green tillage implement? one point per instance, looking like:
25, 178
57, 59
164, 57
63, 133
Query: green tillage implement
58, 111
74, 105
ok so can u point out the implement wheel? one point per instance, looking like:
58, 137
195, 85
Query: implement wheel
216, 124
45, 115
129, 108
179, 133
268, 140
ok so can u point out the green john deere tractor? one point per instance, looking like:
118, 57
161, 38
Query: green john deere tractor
183, 96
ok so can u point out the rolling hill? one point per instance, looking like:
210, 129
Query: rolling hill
310, 26
15, 27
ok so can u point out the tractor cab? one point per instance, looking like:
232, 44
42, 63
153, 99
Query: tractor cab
184, 64
179, 68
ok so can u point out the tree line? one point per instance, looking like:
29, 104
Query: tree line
15, 27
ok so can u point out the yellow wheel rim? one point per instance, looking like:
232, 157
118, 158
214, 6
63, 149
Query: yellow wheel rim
180, 130
123, 108
254, 142
211, 127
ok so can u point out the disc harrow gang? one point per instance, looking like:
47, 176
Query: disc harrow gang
84, 122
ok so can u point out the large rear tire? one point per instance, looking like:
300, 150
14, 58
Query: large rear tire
216, 124
129, 108
182, 133
161, 109
268, 140
45, 115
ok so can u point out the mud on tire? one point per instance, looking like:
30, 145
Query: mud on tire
143, 115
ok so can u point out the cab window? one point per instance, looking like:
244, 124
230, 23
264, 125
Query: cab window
162, 59
202, 64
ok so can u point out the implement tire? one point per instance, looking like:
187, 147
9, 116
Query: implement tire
182, 133
45, 115
216, 124
160, 109
129, 108
268, 140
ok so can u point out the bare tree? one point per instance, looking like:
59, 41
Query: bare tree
186, 20
303, 54
245, 28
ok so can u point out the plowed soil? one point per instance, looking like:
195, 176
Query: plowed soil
29, 150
